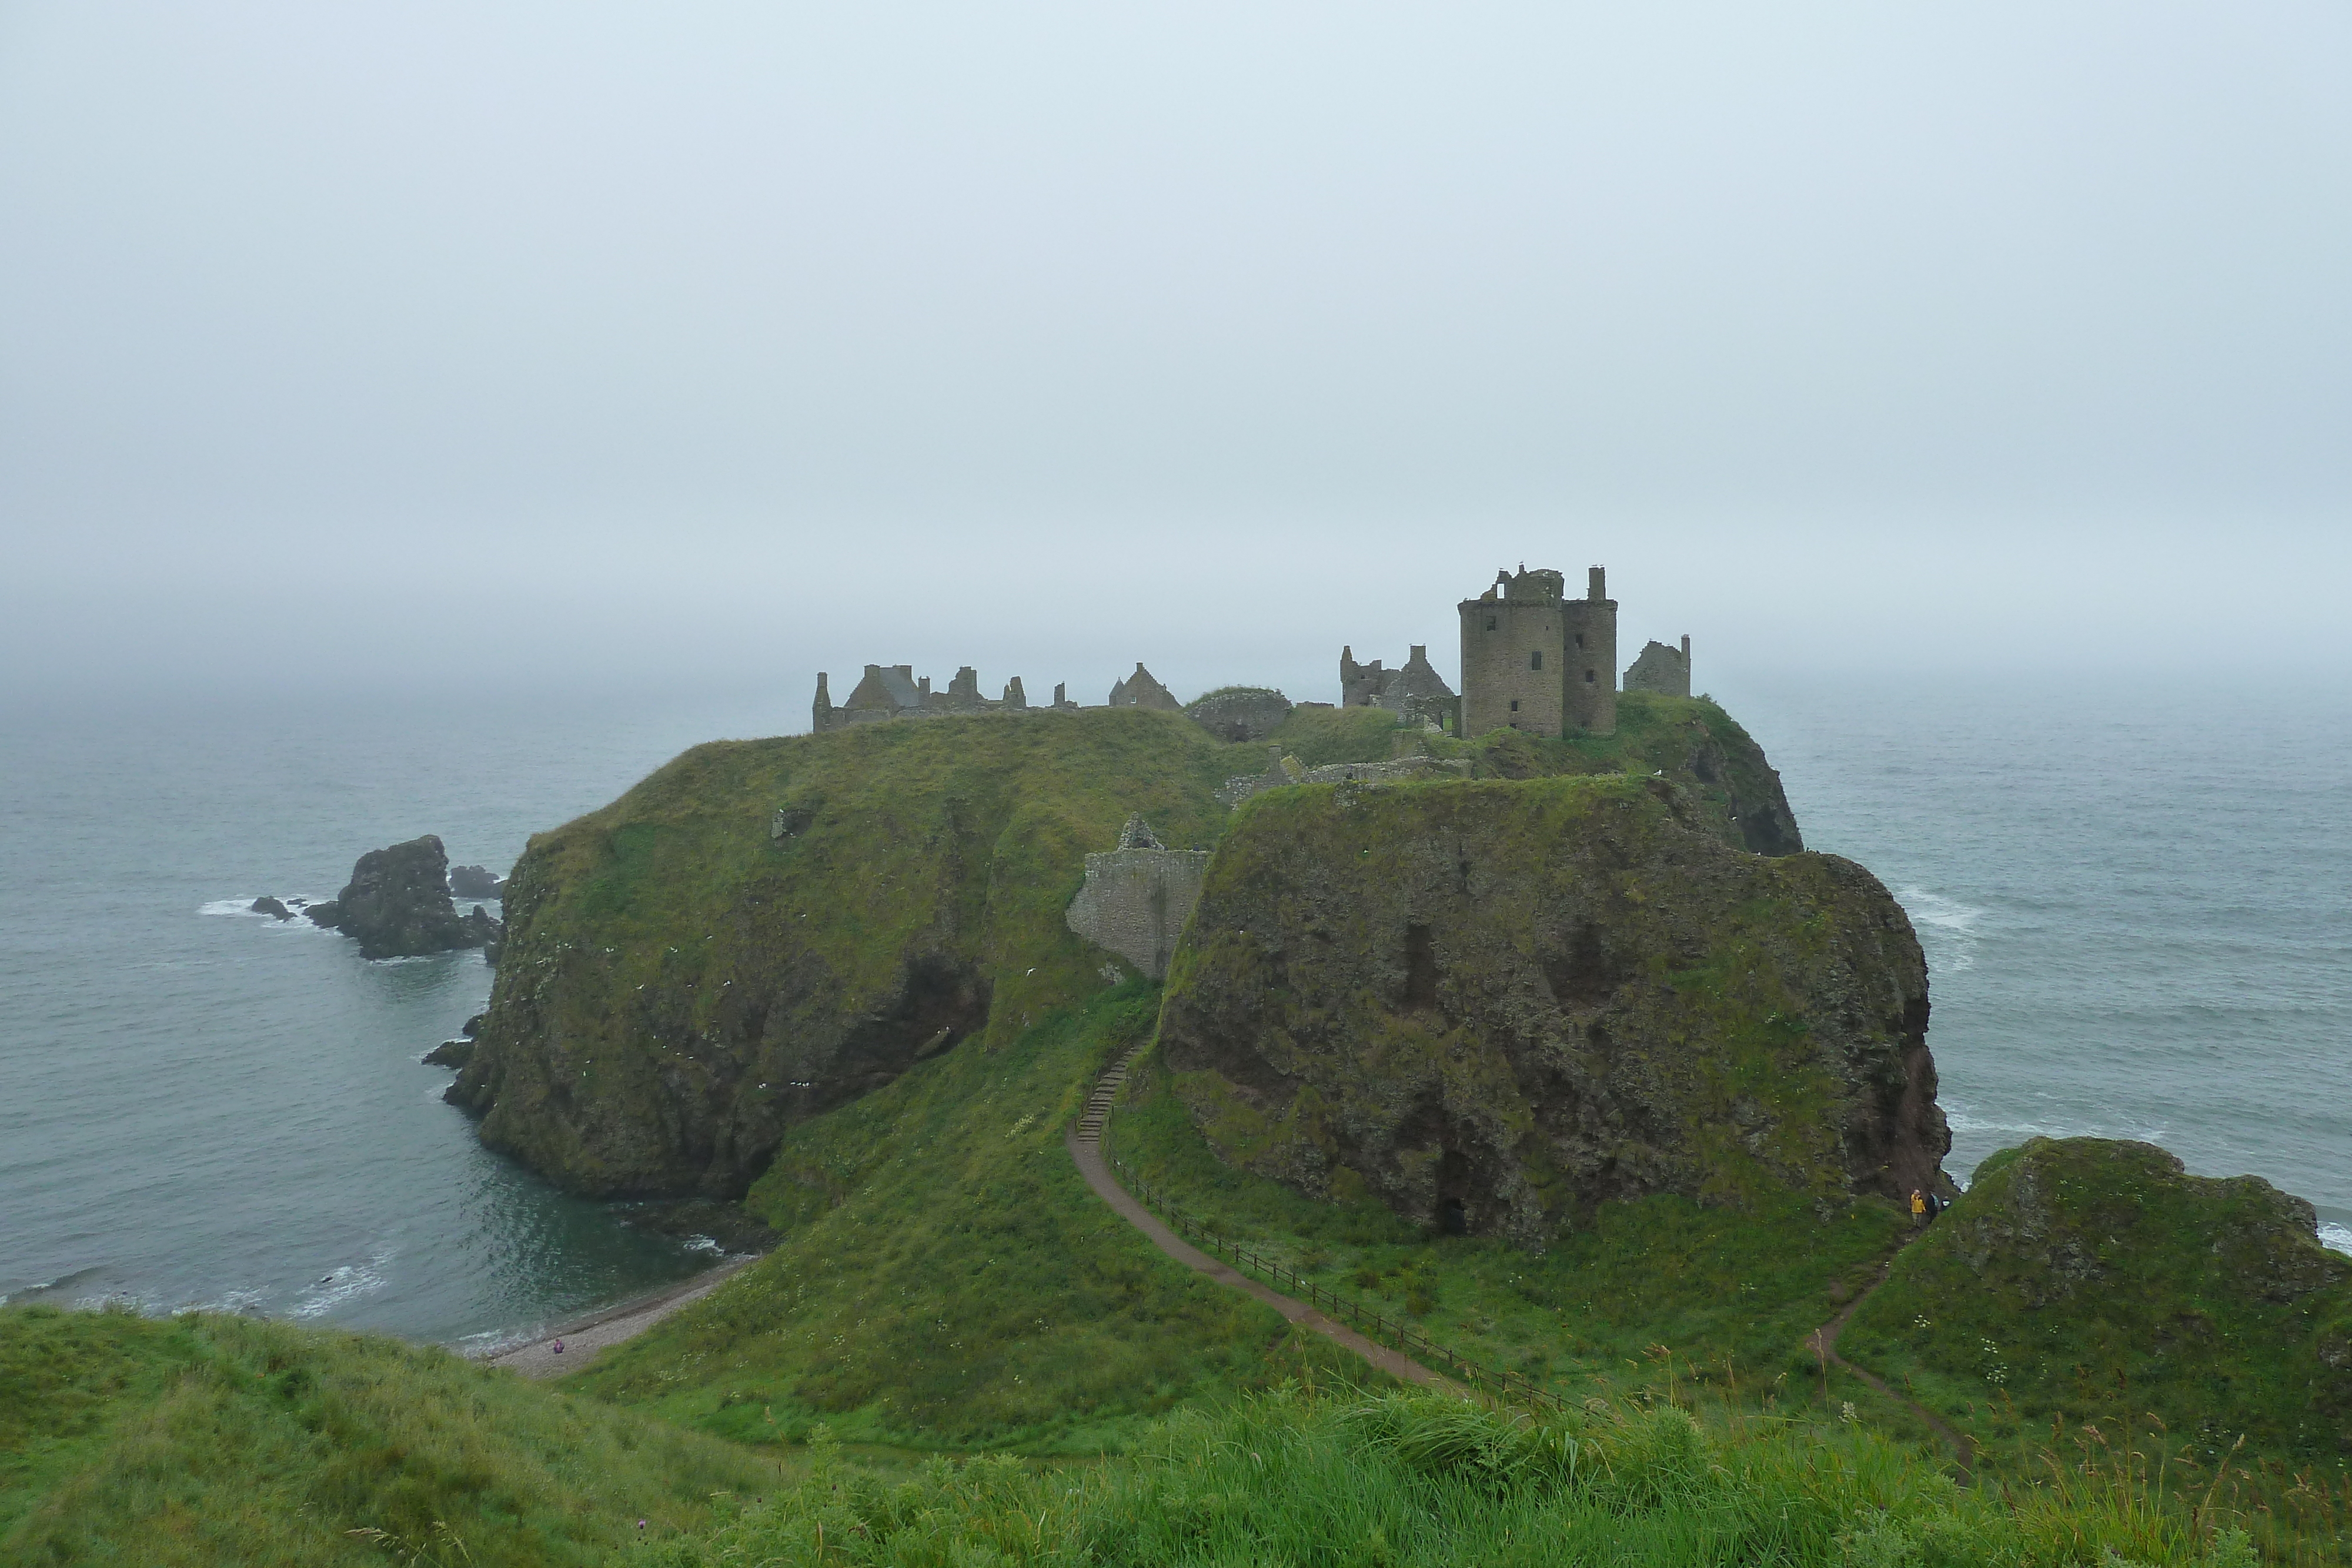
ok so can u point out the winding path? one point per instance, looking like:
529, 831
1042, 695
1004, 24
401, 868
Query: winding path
1823, 1341
1085, 1142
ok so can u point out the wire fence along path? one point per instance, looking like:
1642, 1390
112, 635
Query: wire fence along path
1379, 1338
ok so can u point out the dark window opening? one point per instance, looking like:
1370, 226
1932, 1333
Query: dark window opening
1535, 660
1588, 677
1579, 639
1515, 704
1490, 623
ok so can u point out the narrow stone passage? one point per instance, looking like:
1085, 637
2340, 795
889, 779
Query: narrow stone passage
1085, 1142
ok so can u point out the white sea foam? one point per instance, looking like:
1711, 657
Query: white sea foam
494, 1342
47, 1287
347, 1283
1947, 929
229, 1302
2012, 1132
233, 906
2338, 1237
243, 907
704, 1244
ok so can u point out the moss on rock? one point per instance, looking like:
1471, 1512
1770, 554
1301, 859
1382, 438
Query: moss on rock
764, 930
1497, 1004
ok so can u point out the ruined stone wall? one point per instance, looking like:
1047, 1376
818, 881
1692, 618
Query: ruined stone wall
1136, 901
1240, 712
1660, 669
1397, 771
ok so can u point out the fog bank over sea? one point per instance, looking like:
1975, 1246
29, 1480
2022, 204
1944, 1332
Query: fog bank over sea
2136, 907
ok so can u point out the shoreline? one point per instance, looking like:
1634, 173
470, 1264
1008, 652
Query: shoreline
585, 1335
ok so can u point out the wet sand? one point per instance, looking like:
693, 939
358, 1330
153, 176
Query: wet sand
582, 1340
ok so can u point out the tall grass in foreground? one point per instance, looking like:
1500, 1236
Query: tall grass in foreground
207, 1439
1345, 1481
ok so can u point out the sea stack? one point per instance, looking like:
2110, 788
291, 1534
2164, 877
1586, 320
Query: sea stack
397, 904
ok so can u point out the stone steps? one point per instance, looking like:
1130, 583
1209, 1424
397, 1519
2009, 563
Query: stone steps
1106, 1087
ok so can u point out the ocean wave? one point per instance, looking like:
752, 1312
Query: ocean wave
347, 1283
1960, 1121
494, 1342
2338, 1237
704, 1244
240, 1302
63, 1282
234, 906
1946, 927
241, 907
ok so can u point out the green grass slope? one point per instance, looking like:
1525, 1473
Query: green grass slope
1729, 1294
947, 1279
2088, 1280
217, 1440
1345, 1481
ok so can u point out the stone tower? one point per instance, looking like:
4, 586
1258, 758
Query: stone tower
1534, 658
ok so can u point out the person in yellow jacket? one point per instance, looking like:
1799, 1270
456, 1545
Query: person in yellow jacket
1918, 1206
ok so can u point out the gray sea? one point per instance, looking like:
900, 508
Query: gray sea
2136, 906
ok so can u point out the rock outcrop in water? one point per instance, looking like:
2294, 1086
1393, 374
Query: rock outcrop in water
1496, 1005
476, 881
397, 904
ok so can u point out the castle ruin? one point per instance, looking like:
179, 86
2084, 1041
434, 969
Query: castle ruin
1535, 660
1415, 692
1136, 897
1532, 659
892, 691
1660, 669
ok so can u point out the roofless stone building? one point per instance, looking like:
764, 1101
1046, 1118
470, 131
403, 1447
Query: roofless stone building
1532, 659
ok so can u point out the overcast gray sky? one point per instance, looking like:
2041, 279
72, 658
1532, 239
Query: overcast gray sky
511, 342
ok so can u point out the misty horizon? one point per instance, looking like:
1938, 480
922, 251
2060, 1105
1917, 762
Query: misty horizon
526, 347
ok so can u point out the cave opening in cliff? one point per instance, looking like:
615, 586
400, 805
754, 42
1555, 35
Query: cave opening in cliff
1420, 969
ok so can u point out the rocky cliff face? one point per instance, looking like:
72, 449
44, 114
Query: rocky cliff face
397, 904
765, 930
1493, 1004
